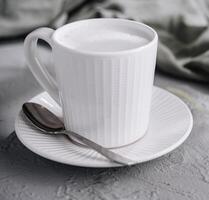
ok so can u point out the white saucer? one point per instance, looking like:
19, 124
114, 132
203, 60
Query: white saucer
170, 124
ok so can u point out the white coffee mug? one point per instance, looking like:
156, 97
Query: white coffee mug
105, 95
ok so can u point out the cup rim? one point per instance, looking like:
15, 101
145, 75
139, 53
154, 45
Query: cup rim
106, 53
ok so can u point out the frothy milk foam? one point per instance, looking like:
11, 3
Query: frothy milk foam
103, 40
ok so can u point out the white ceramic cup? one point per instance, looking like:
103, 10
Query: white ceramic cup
105, 96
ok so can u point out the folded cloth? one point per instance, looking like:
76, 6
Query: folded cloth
22, 16
182, 26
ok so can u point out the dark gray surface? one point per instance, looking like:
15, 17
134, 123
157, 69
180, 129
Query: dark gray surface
181, 174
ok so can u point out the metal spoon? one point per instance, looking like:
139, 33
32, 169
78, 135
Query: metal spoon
48, 123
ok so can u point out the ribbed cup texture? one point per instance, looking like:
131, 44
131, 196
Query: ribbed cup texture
107, 98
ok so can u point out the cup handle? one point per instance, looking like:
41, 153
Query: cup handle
39, 71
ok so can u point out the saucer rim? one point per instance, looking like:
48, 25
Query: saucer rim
109, 164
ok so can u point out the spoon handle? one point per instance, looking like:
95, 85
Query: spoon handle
102, 150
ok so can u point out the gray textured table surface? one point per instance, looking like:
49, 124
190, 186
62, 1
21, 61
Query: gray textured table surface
181, 174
